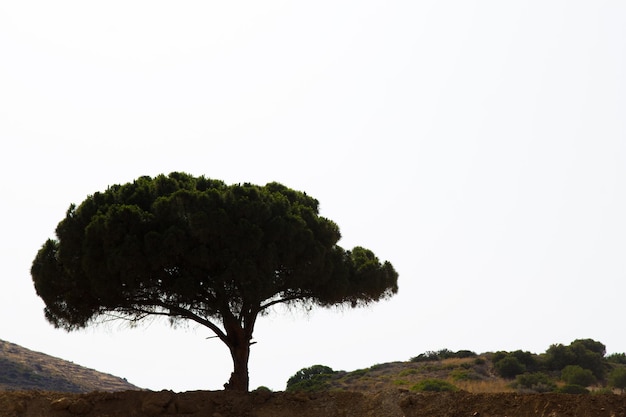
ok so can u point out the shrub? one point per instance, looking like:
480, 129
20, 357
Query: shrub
465, 354
442, 354
536, 381
619, 358
408, 372
576, 375
499, 355
400, 382
359, 372
426, 357
586, 353
310, 379
446, 354
434, 385
528, 359
464, 375
572, 389
509, 367
617, 378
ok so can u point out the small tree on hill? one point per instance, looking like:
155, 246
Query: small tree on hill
586, 353
311, 378
197, 249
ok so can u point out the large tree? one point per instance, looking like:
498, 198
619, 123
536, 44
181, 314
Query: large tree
193, 248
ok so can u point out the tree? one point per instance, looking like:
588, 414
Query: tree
586, 353
193, 248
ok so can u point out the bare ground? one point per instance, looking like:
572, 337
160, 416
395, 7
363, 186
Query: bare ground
389, 403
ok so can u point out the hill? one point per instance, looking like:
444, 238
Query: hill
24, 369
581, 367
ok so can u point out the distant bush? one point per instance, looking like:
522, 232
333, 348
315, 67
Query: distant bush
408, 372
442, 354
576, 375
586, 353
313, 378
262, 389
535, 381
524, 362
509, 367
434, 385
617, 378
619, 358
426, 357
464, 375
572, 389
465, 354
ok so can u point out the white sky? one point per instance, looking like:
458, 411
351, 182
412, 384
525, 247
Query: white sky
480, 146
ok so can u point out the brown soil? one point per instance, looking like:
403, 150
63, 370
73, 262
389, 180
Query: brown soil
388, 403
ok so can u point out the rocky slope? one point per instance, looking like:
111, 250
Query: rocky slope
24, 369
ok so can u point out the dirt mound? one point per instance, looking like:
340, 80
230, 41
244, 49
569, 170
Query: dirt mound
327, 404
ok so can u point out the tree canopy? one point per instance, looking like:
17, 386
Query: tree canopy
195, 248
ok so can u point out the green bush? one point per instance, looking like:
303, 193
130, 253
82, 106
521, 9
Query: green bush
535, 381
428, 356
434, 385
400, 382
576, 375
442, 354
465, 354
313, 378
617, 378
509, 367
619, 358
572, 389
586, 353
408, 372
463, 375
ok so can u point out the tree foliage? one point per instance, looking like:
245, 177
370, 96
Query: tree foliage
586, 353
509, 366
310, 379
195, 248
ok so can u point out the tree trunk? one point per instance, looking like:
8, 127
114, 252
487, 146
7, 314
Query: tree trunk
238, 341
239, 379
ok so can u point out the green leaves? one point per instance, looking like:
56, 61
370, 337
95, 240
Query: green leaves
203, 245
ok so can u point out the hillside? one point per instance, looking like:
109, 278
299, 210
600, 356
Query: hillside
474, 375
24, 369
579, 368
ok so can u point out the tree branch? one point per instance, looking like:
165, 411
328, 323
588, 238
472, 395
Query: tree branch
281, 300
177, 311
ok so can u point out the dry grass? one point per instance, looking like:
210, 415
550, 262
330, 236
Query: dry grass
24, 369
473, 375
485, 386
